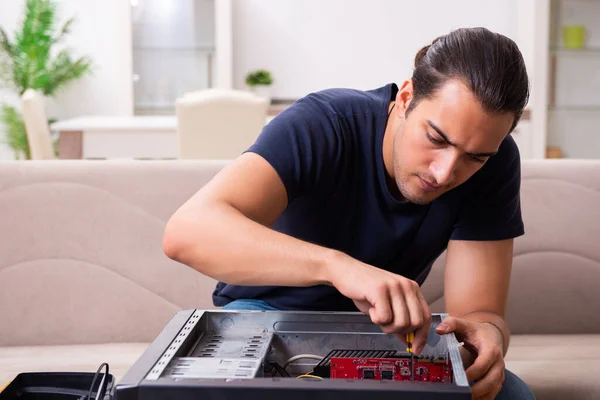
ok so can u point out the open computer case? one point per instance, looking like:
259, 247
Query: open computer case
276, 355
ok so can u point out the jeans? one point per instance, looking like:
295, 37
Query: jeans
249, 305
512, 389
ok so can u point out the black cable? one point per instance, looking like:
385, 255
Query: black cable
283, 371
89, 395
280, 369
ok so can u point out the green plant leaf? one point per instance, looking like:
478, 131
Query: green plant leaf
33, 44
5, 70
64, 31
6, 54
28, 61
61, 71
15, 135
5, 43
259, 77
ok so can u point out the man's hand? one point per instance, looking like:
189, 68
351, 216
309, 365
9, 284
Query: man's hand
485, 342
393, 302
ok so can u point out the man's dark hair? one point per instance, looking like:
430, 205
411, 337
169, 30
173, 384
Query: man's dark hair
490, 64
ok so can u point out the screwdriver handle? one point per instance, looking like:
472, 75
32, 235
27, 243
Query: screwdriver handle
410, 338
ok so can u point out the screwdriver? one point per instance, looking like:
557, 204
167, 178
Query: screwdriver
410, 338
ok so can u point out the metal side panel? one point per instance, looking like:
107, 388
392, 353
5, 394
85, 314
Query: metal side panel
460, 376
127, 387
179, 345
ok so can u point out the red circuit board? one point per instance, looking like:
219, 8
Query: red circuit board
394, 369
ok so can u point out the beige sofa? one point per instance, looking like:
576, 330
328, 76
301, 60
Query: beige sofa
83, 278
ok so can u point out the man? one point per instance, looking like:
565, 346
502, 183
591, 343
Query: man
348, 197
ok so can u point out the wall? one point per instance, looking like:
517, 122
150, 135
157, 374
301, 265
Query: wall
311, 44
103, 32
224, 44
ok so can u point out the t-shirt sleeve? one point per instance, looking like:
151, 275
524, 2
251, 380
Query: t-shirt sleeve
302, 144
491, 209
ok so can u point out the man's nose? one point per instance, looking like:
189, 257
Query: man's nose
444, 167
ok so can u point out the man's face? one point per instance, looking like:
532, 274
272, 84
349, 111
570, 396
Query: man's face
443, 141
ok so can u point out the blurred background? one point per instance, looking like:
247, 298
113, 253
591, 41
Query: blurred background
142, 79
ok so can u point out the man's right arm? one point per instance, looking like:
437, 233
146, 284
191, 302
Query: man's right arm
224, 232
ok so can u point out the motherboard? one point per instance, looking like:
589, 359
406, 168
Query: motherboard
383, 365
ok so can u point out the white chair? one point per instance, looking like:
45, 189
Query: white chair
218, 124
36, 125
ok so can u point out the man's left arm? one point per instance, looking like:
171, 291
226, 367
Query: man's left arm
478, 268
476, 287
476, 282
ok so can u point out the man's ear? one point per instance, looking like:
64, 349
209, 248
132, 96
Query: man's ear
404, 97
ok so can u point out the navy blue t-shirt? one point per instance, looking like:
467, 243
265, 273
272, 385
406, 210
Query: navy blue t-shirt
327, 150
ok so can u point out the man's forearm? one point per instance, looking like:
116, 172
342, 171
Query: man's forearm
220, 242
495, 320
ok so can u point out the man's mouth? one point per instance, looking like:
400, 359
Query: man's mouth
428, 186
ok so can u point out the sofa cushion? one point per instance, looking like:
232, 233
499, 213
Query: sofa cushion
557, 366
84, 263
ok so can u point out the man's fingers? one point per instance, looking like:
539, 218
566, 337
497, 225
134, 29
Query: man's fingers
490, 385
381, 310
363, 306
414, 305
451, 324
399, 307
482, 364
401, 318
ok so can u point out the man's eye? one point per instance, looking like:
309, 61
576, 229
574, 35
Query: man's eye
478, 159
434, 140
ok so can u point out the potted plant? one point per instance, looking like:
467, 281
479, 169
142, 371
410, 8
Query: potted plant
30, 60
260, 82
